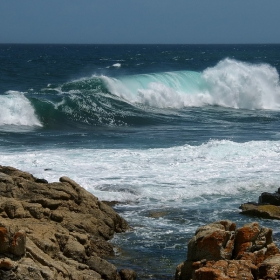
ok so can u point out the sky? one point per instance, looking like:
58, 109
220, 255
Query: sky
140, 22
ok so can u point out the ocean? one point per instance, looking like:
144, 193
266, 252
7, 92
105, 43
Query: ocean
177, 135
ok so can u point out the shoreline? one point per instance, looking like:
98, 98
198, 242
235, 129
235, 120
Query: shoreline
59, 229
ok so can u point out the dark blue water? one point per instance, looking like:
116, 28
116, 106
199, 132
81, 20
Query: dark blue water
186, 131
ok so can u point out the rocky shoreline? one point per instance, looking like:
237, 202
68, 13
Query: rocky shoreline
55, 230
219, 251
60, 231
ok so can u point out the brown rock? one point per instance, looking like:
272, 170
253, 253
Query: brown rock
212, 242
251, 245
4, 240
127, 274
6, 264
270, 268
18, 245
184, 270
262, 211
226, 270
54, 230
104, 268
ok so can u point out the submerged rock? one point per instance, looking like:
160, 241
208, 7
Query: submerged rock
219, 251
54, 230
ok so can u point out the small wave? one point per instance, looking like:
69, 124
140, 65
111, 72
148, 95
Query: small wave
16, 109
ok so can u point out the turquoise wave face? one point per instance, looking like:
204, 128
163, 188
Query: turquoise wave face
231, 84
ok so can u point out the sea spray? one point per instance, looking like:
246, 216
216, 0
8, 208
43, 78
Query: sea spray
238, 84
230, 83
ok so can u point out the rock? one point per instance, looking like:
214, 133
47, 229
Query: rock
184, 271
268, 206
244, 238
218, 251
262, 211
127, 274
104, 268
226, 270
157, 214
270, 268
6, 264
54, 230
18, 245
212, 242
270, 198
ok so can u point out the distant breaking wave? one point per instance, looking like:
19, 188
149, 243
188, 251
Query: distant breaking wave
144, 98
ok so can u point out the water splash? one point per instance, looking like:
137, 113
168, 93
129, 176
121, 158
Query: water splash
16, 109
230, 83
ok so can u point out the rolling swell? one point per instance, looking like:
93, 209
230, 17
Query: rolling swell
86, 102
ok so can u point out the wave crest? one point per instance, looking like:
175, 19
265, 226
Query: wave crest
230, 83
242, 85
16, 109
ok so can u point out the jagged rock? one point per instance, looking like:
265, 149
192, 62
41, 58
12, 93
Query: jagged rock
54, 230
219, 252
212, 242
225, 270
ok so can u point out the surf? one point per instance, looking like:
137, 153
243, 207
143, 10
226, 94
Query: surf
143, 99
231, 84
17, 110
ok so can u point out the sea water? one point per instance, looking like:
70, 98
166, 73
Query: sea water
177, 135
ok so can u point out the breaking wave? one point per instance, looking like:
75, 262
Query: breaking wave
16, 109
144, 98
230, 83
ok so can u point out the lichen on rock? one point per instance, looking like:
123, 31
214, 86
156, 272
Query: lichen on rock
219, 251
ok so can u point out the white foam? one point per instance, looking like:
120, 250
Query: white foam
16, 109
157, 176
230, 83
242, 85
